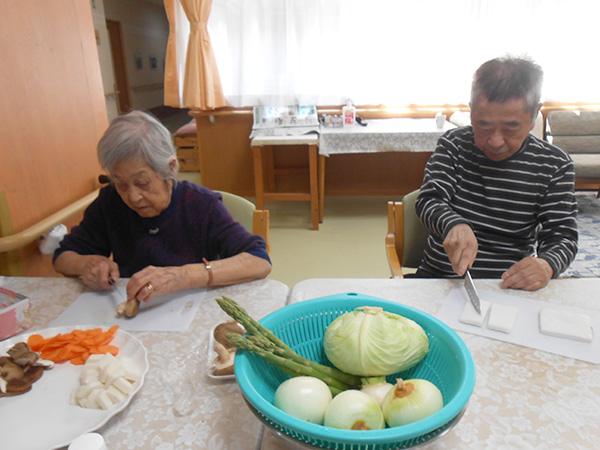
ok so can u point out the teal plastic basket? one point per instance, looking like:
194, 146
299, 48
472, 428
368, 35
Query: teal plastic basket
448, 365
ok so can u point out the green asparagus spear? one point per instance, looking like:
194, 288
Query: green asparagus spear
348, 379
234, 310
252, 326
283, 363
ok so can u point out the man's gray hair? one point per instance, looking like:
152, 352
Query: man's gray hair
506, 78
138, 135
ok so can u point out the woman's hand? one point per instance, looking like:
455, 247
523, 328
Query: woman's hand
98, 272
153, 281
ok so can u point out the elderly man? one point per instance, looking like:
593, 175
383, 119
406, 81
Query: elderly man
497, 200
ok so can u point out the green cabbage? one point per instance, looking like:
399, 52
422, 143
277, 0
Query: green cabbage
372, 342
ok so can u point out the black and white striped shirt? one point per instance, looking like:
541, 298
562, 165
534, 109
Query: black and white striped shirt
524, 205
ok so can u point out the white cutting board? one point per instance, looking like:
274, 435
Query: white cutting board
170, 312
526, 329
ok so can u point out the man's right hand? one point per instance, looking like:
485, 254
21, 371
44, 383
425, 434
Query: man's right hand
461, 247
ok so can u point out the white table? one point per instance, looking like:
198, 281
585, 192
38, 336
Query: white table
383, 135
219, 419
523, 398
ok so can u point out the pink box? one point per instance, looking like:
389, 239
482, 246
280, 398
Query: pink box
14, 313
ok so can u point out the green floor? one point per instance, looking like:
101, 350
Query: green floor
350, 243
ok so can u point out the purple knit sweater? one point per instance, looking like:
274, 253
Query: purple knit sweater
195, 225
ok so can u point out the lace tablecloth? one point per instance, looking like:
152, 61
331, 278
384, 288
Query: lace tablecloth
523, 398
170, 411
383, 135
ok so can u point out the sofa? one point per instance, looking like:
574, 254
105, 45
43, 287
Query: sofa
578, 132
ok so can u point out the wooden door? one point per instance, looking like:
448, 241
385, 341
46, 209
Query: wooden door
115, 34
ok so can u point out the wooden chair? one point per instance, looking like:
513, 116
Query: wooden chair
254, 220
406, 235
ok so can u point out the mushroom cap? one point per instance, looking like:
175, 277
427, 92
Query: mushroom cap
22, 354
221, 330
11, 371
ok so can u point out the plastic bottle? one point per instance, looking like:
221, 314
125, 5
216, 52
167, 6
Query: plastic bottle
348, 115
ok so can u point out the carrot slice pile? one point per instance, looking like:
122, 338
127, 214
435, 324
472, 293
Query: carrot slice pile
75, 346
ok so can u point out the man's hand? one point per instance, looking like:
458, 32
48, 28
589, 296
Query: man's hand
529, 274
461, 247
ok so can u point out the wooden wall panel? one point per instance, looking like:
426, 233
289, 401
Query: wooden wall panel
52, 110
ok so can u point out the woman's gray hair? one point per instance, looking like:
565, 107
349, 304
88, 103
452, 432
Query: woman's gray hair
139, 135
503, 79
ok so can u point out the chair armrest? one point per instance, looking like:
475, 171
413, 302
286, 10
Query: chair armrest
392, 256
29, 235
260, 226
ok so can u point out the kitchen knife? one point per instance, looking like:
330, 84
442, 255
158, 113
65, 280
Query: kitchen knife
472, 292
117, 289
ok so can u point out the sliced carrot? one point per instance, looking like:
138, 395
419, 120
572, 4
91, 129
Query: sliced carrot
51, 354
78, 360
112, 349
36, 342
75, 346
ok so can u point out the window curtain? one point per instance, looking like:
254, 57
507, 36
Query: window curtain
396, 52
171, 73
198, 86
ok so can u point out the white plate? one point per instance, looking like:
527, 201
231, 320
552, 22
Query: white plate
44, 418
210, 366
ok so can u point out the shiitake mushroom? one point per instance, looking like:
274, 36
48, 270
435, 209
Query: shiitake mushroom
221, 330
20, 370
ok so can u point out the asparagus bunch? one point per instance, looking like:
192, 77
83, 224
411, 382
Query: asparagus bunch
264, 343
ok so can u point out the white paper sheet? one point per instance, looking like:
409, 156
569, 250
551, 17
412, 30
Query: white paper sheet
171, 312
526, 328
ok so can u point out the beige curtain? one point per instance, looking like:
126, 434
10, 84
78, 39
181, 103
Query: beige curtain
171, 75
202, 85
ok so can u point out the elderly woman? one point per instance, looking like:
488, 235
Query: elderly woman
165, 235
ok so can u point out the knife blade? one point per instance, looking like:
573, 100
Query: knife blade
472, 293
117, 288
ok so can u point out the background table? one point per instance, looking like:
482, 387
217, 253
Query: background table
219, 418
265, 144
383, 135
523, 398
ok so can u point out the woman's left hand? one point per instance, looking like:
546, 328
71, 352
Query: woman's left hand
153, 281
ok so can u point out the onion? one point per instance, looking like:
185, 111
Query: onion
305, 398
354, 410
411, 400
376, 387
